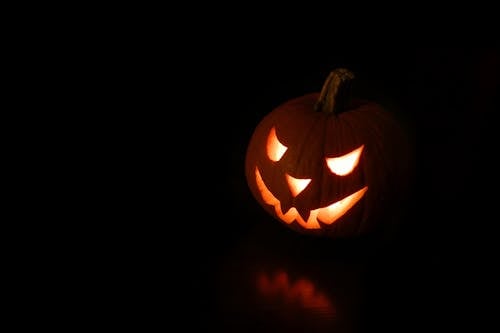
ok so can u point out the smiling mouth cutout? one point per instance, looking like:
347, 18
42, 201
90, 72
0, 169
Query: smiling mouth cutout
327, 214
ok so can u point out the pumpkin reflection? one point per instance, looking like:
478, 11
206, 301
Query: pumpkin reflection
276, 282
300, 294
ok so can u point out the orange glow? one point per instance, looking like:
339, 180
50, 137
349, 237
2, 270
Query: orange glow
327, 215
275, 149
302, 292
344, 164
333, 212
297, 185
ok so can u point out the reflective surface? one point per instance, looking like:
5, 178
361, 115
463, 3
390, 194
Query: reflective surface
280, 284
271, 280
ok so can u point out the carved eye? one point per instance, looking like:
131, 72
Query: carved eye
343, 165
275, 149
296, 185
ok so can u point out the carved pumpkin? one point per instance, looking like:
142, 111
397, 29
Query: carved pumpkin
327, 164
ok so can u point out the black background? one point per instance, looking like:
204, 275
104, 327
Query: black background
196, 239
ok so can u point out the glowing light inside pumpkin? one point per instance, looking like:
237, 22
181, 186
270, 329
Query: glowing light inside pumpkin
344, 164
297, 185
275, 149
326, 215
337, 209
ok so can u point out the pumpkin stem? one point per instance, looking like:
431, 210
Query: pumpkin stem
336, 92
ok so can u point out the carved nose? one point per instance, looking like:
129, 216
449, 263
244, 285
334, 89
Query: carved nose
296, 185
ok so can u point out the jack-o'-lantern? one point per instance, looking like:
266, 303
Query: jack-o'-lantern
328, 164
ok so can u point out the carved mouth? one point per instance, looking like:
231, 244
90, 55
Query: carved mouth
326, 215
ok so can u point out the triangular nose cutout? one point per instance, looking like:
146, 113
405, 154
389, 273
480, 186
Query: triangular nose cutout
296, 185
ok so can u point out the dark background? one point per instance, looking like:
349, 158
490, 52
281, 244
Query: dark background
200, 241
